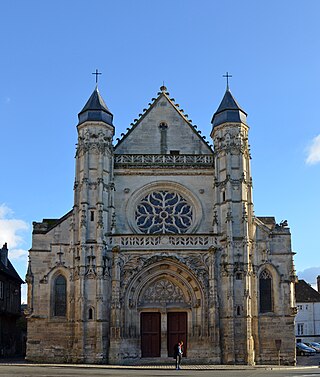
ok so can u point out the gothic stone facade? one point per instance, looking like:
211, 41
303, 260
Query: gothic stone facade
161, 244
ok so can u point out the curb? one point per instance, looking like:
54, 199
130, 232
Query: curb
165, 367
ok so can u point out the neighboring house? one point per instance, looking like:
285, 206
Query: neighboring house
307, 326
161, 245
10, 309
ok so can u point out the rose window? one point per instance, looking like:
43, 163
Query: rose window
164, 212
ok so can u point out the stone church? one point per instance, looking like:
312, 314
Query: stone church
161, 244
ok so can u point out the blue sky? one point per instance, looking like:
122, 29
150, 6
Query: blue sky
50, 48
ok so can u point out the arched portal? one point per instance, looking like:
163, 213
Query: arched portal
164, 303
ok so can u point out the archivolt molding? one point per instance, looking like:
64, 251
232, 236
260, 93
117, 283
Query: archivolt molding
186, 277
132, 264
54, 272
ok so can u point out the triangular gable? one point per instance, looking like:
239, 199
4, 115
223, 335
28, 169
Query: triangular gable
177, 135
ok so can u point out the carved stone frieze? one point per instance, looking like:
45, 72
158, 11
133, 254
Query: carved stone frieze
161, 241
132, 264
98, 143
169, 161
233, 141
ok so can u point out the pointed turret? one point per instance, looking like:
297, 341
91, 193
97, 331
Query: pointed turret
228, 111
95, 110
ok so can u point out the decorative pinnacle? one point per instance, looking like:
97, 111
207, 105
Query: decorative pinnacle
163, 88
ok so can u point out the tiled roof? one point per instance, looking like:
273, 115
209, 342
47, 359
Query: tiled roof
305, 293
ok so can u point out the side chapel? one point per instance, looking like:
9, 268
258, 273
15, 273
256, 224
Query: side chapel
161, 244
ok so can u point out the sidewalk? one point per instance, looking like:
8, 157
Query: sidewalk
23, 363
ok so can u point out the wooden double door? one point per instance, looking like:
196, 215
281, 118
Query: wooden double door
151, 332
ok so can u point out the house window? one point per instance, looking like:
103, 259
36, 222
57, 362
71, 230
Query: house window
300, 329
60, 296
1, 289
265, 291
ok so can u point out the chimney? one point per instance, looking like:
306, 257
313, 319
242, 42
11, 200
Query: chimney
318, 283
4, 255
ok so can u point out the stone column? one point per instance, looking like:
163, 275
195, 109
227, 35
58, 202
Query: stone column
115, 319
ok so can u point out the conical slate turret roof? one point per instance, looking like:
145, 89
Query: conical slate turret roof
228, 111
95, 109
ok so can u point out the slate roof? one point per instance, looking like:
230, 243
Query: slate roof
95, 109
10, 271
305, 293
48, 224
267, 220
228, 111
164, 93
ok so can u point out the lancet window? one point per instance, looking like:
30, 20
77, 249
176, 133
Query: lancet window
265, 290
60, 296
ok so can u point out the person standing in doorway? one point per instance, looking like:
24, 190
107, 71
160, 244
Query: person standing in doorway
178, 354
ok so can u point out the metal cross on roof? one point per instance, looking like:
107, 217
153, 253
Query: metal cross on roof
96, 73
227, 76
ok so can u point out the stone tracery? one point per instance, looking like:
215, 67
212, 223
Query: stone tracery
164, 212
161, 291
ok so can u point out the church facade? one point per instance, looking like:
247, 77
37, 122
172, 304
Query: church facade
162, 244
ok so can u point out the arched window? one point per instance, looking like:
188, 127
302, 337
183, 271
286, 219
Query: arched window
265, 290
60, 296
90, 313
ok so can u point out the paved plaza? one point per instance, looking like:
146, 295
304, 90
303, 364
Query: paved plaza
307, 367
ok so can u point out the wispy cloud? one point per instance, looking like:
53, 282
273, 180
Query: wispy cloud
310, 275
11, 232
313, 151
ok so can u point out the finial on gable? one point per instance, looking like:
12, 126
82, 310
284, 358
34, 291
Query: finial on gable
163, 88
